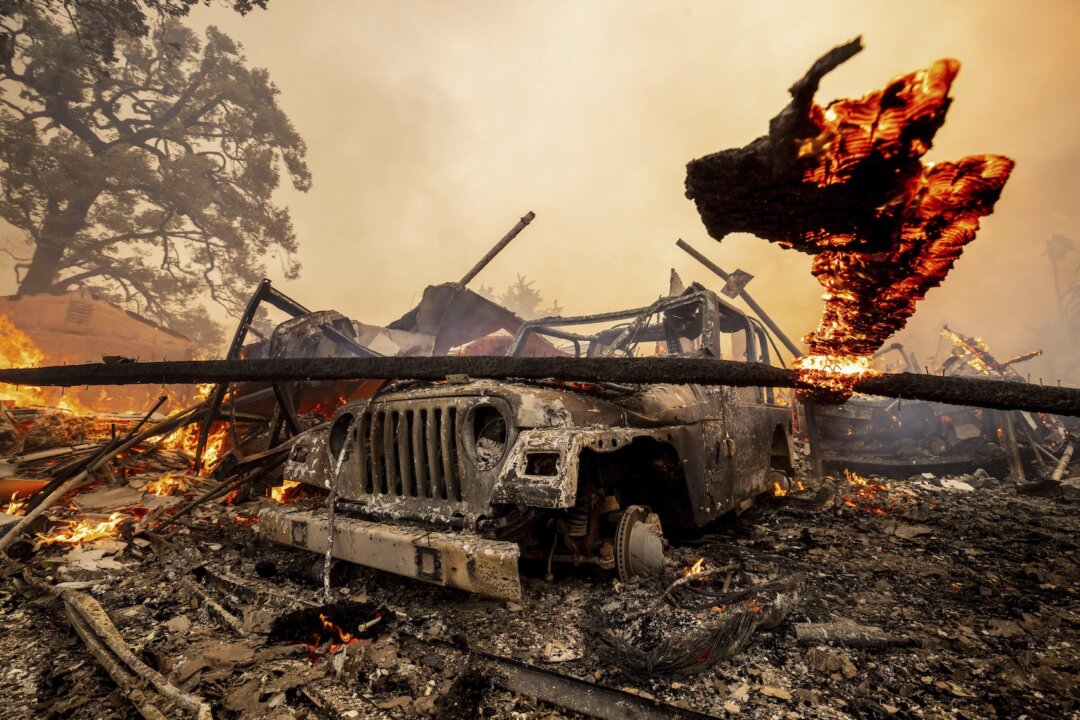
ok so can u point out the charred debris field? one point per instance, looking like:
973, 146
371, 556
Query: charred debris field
652, 527
849, 597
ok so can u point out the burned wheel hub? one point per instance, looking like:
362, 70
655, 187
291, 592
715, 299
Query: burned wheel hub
639, 544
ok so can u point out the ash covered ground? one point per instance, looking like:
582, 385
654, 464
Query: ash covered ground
960, 593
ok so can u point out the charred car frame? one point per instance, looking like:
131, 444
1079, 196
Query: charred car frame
453, 482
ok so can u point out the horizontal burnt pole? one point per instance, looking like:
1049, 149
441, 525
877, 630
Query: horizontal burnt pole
1002, 395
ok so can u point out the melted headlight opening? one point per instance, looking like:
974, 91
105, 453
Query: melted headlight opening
489, 434
339, 434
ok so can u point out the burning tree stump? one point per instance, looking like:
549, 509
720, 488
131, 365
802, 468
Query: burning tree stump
846, 184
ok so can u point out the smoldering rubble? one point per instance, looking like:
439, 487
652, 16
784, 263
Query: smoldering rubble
849, 597
150, 587
645, 545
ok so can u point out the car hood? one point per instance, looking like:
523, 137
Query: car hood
555, 403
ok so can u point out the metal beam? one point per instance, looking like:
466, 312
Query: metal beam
792, 348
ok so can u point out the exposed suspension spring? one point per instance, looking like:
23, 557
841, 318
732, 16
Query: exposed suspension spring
577, 522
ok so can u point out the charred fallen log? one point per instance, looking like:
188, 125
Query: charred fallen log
1003, 395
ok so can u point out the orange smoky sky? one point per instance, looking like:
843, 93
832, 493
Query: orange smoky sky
433, 126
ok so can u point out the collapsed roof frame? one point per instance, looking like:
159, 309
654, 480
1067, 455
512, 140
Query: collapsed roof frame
266, 293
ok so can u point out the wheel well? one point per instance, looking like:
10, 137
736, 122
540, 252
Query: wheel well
645, 472
780, 451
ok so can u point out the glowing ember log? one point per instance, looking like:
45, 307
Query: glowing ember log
846, 183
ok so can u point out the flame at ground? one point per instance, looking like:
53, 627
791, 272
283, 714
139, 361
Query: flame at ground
246, 520
793, 485
866, 493
342, 636
85, 531
15, 506
285, 493
338, 635
695, 569
169, 484
17, 350
186, 440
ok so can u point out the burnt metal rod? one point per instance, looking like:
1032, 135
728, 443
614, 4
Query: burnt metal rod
497, 249
217, 396
975, 392
794, 349
563, 691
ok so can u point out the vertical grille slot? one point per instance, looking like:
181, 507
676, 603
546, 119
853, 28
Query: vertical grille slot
432, 440
453, 479
365, 455
404, 452
419, 453
410, 452
377, 465
393, 477
446, 439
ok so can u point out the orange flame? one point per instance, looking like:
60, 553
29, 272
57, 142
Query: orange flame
833, 374
907, 245
15, 506
866, 493
168, 484
18, 350
203, 390
345, 637
246, 520
286, 492
85, 531
780, 491
697, 568
186, 440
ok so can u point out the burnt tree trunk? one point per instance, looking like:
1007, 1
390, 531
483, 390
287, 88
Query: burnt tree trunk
58, 231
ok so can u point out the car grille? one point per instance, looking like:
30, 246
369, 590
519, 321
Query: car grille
410, 451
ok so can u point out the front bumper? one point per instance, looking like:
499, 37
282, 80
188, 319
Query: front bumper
457, 560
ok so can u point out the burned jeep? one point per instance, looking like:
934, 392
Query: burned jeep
453, 482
